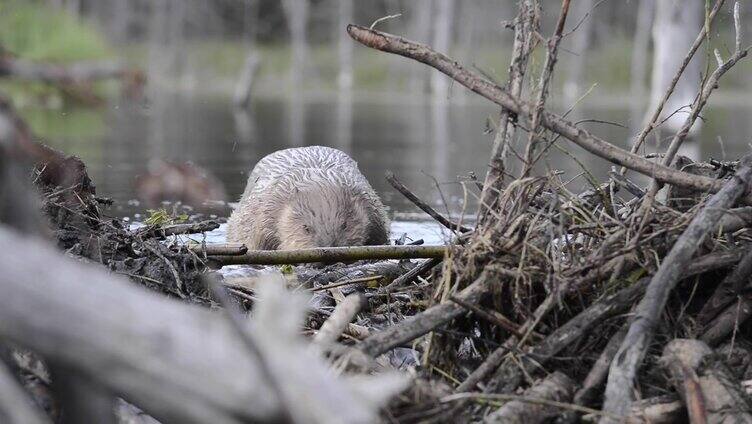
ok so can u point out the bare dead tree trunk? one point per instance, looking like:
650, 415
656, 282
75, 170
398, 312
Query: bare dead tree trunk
296, 13
344, 45
638, 67
421, 29
673, 33
573, 85
244, 86
442, 39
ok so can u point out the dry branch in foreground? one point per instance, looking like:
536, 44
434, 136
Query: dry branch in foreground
182, 362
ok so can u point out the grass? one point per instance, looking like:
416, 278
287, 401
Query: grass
36, 31
33, 30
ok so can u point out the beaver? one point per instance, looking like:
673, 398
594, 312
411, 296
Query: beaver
308, 197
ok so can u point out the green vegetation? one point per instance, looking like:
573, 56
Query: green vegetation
162, 217
34, 30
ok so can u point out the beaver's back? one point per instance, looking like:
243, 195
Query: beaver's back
298, 163
278, 175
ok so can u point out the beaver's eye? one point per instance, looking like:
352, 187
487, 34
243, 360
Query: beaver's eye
307, 229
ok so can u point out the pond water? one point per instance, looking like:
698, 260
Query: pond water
431, 147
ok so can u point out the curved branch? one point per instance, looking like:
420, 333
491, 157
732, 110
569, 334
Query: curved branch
393, 44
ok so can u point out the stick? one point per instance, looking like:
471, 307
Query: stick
366, 279
734, 220
525, 28
619, 390
599, 371
409, 276
336, 324
490, 316
218, 249
545, 80
398, 45
597, 312
176, 361
659, 108
660, 409
331, 255
82, 316
710, 85
424, 322
556, 387
176, 229
728, 291
705, 384
397, 184
727, 321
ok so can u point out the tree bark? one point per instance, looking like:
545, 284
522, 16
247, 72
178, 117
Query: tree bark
620, 387
705, 384
179, 362
556, 387
330, 255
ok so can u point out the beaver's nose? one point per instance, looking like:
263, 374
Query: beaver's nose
326, 240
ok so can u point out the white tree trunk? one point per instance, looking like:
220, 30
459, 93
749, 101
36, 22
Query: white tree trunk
345, 45
638, 67
676, 25
442, 38
296, 12
580, 45
420, 23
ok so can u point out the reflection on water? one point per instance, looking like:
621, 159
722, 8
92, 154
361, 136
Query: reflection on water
431, 147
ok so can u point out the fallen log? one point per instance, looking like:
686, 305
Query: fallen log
52, 73
705, 384
330, 255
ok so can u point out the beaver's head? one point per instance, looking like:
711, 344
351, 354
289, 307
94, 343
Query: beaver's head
324, 216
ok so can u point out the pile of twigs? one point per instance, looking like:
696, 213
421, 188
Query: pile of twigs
626, 302
574, 298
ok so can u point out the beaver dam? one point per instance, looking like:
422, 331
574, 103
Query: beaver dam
627, 302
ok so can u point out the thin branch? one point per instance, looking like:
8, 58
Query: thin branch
441, 219
619, 391
662, 103
398, 45
330, 255
545, 81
